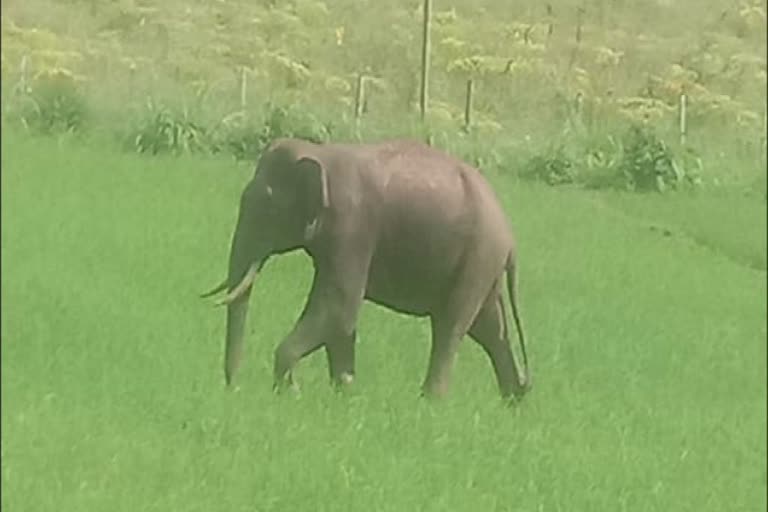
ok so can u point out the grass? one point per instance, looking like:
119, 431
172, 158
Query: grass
730, 222
648, 351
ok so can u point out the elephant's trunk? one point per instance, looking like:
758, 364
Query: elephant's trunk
244, 263
236, 314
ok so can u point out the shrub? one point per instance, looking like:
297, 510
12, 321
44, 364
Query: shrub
638, 161
167, 131
554, 167
245, 138
647, 162
54, 104
600, 168
239, 136
293, 121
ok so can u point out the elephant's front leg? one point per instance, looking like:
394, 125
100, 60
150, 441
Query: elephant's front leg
305, 337
329, 318
341, 359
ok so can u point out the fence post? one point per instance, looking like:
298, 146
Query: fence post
23, 73
425, 49
132, 80
468, 104
580, 108
764, 142
550, 22
359, 97
683, 121
579, 15
243, 88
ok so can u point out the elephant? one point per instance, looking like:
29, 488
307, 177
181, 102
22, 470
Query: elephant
398, 223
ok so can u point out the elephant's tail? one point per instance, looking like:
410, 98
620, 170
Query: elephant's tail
511, 271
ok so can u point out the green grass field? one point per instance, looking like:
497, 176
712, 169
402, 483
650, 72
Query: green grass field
648, 352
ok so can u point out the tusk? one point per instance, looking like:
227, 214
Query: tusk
246, 282
215, 290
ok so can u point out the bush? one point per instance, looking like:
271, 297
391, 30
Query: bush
239, 136
244, 138
555, 167
167, 131
601, 163
54, 104
294, 122
638, 161
646, 162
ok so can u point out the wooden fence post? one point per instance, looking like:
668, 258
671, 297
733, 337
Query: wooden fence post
764, 142
359, 97
425, 50
243, 88
468, 104
550, 22
683, 121
23, 74
579, 15
579, 104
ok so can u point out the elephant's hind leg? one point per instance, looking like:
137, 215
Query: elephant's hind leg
451, 322
490, 331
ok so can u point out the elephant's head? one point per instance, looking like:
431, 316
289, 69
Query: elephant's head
281, 209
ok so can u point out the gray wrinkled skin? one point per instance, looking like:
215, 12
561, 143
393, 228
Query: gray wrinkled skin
400, 224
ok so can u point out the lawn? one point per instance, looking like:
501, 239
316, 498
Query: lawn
648, 352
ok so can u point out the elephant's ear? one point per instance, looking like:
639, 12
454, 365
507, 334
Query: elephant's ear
315, 177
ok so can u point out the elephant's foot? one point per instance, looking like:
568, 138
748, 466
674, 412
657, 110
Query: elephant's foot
514, 394
343, 381
286, 384
434, 390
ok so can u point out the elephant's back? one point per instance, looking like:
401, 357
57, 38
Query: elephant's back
434, 210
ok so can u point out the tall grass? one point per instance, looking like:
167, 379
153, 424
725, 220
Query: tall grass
645, 313
649, 353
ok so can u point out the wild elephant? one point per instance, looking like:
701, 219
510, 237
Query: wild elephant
398, 223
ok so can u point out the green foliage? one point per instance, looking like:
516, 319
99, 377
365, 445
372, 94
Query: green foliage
240, 136
638, 161
647, 162
310, 52
54, 104
164, 130
554, 167
244, 137
294, 121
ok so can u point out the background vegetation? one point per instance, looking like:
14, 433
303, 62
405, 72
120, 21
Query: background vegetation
645, 312
561, 80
